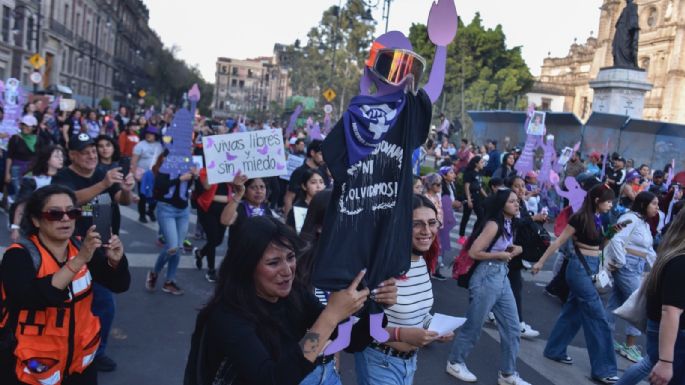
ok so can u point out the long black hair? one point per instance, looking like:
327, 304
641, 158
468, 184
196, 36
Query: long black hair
36, 204
473, 162
308, 174
586, 215
494, 211
235, 287
310, 233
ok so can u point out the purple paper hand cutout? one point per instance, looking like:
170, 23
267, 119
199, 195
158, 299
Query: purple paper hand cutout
575, 193
442, 22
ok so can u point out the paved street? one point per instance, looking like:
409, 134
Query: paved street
151, 335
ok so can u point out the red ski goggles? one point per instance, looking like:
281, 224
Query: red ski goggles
394, 65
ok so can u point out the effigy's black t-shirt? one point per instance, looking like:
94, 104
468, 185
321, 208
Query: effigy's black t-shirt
368, 222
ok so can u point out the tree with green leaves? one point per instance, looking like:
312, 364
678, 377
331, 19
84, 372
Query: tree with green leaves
482, 72
334, 54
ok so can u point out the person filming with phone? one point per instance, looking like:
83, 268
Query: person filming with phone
48, 333
98, 194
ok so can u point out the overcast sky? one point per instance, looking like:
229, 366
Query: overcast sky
207, 29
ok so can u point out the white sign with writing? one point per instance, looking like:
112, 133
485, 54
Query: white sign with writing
256, 154
293, 163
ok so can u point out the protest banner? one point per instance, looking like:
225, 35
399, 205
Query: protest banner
294, 162
256, 154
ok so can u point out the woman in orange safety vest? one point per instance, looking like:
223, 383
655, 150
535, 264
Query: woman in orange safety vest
49, 335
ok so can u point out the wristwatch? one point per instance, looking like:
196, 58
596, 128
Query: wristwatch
14, 227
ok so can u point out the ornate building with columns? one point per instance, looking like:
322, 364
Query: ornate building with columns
563, 84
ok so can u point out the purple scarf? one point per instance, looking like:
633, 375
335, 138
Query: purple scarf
368, 120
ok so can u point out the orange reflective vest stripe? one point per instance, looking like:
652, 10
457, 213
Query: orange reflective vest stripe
55, 342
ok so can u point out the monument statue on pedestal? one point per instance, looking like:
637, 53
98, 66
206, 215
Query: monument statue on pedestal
626, 37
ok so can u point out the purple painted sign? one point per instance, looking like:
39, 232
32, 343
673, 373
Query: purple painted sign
13, 99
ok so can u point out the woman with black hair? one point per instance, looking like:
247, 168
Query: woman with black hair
473, 189
249, 200
394, 361
261, 326
507, 169
517, 185
108, 152
584, 306
491, 245
49, 160
46, 283
312, 183
626, 254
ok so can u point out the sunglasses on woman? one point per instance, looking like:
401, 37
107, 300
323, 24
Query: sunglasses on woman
57, 215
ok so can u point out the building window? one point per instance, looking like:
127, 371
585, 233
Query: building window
241, 84
249, 73
234, 82
234, 71
6, 21
546, 104
29, 34
66, 15
652, 16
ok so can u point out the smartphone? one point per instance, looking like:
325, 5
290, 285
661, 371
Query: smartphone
125, 164
625, 223
102, 219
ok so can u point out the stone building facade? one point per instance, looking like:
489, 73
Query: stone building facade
563, 82
243, 86
96, 48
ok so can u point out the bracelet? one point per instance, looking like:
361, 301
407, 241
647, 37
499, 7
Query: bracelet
69, 268
668, 362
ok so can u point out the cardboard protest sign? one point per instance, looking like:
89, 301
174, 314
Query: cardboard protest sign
12, 101
256, 154
293, 163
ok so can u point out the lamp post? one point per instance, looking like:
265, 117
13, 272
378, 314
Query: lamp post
33, 36
366, 17
386, 9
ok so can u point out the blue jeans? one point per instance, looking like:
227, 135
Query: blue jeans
490, 290
173, 223
376, 368
626, 281
584, 308
103, 307
323, 375
639, 371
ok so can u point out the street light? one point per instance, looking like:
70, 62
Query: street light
19, 13
386, 9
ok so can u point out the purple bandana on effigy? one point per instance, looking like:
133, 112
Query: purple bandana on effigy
367, 120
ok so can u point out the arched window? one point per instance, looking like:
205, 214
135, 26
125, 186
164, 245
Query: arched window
652, 16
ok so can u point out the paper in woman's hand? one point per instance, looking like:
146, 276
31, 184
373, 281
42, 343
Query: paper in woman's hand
444, 324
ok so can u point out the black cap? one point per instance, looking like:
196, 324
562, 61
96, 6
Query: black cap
80, 141
658, 174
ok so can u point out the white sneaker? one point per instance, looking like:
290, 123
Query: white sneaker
527, 331
460, 371
514, 379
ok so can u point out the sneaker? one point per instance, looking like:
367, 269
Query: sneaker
632, 353
210, 276
528, 332
142, 219
460, 371
438, 276
152, 216
198, 258
514, 379
462, 240
606, 380
491, 318
172, 288
104, 364
151, 281
618, 347
564, 360
187, 246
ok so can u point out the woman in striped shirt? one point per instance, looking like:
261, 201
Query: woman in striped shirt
394, 362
